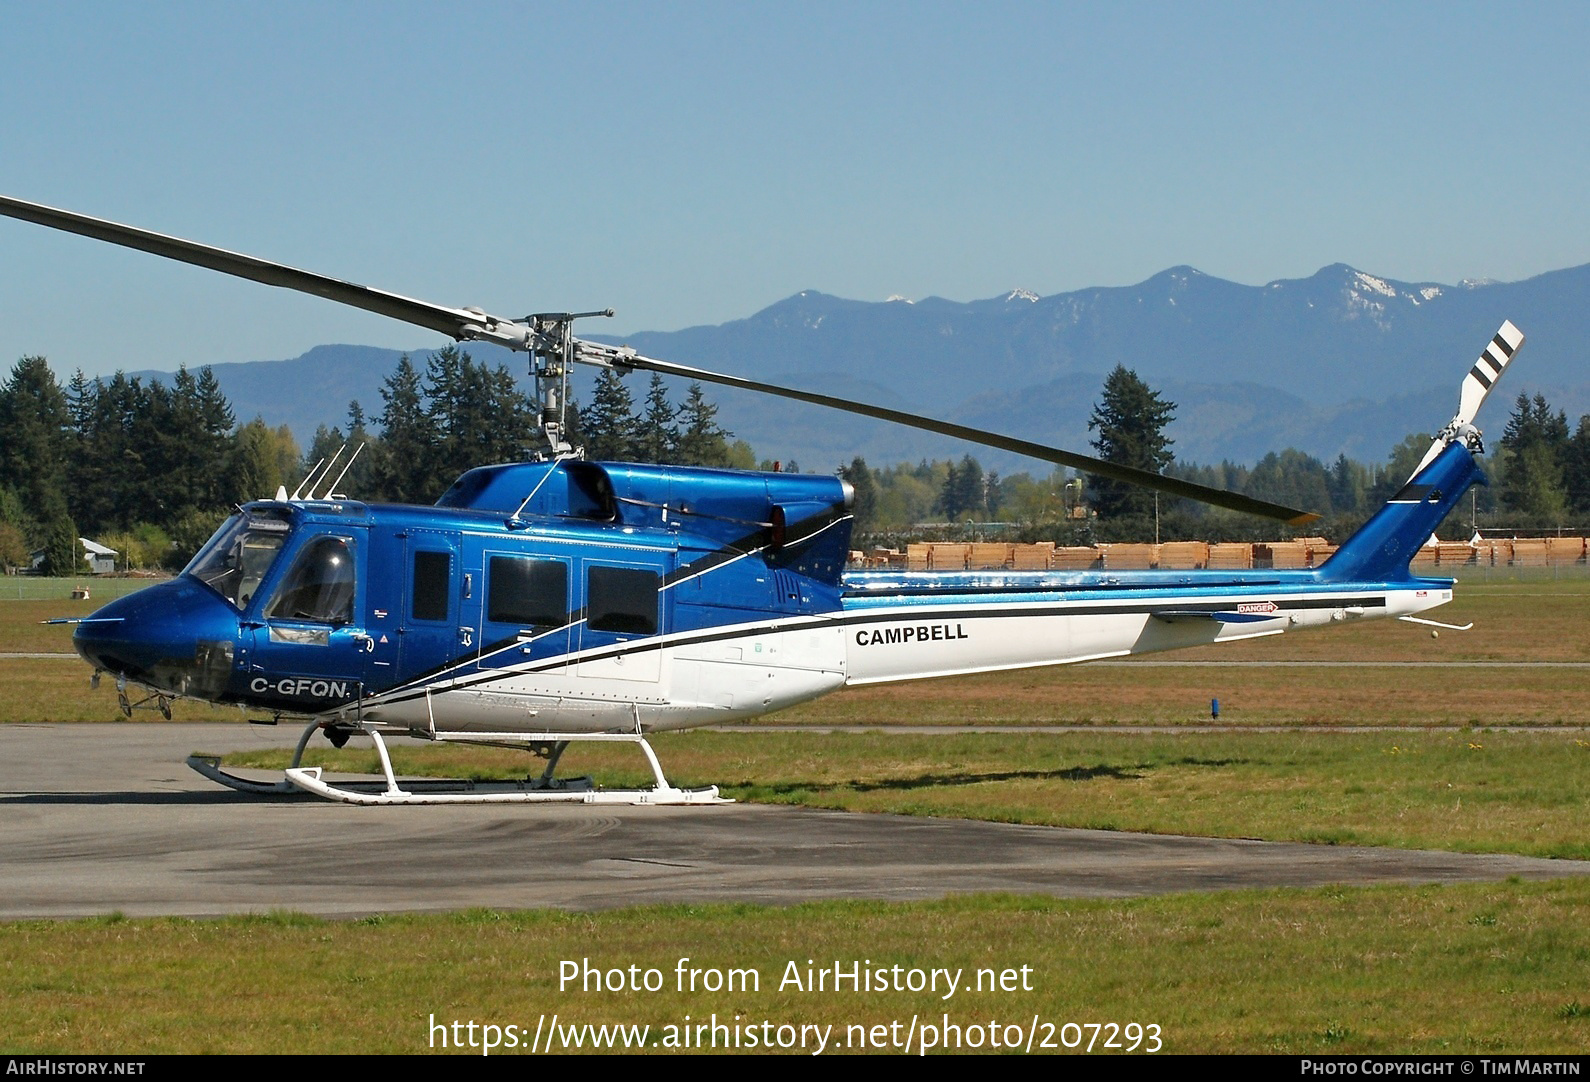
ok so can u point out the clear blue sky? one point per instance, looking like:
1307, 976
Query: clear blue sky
691, 163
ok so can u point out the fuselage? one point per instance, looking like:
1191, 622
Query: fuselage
582, 597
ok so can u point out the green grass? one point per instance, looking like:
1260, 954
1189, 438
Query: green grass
1460, 969
1515, 623
1471, 792
1453, 970
35, 588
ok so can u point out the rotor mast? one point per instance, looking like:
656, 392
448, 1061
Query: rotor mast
552, 347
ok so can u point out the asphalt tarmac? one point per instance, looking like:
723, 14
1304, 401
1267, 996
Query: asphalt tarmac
107, 818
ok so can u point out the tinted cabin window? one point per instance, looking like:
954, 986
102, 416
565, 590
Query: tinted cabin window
432, 577
621, 599
320, 585
528, 592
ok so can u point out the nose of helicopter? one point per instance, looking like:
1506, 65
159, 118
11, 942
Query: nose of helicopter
175, 636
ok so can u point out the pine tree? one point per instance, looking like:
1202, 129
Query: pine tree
366, 447
409, 437
63, 553
1576, 467
656, 438
35, 438
702, 441
478, 413
964, 491
251, 475
1536, 444
865, 505
1130, 420
609, 422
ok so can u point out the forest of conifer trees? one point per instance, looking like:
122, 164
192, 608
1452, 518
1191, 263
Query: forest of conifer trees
150, 469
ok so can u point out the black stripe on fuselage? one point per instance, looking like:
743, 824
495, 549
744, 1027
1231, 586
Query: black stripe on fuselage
658, 642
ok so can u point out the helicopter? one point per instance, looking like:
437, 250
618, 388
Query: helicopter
540, 603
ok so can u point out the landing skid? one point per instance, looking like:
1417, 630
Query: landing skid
210, 767
542, 790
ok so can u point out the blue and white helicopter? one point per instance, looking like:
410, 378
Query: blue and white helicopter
540, 603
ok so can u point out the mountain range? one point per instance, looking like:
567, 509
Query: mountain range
1340, 362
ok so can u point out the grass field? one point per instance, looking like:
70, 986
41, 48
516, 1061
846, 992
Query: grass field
1473, 792
1526, 623
1457, 969
1491, 968
101, 588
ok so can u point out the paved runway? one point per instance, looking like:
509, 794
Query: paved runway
101, 818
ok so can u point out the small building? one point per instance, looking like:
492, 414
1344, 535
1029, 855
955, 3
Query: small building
101, 560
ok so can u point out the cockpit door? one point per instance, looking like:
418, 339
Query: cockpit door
311, 651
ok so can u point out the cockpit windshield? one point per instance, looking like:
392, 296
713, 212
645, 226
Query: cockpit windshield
234, 562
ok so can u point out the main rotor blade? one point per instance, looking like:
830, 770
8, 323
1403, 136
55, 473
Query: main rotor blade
466, 324
613, 356
456, 323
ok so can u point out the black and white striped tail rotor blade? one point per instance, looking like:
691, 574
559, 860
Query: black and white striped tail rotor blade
1486, 371
1477, 386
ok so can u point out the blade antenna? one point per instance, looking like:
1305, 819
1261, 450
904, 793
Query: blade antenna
357, 451
310, 476
327, 472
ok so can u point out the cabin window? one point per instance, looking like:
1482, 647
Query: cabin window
622, 599
531, 593
319, 587
433, 578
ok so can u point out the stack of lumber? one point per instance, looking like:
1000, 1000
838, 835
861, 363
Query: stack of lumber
1231, 556
1075, 559
1529, 552
1565, 550
1036, 557
1129, 557
1453, 553
1184, 555
990, 556
1281, 554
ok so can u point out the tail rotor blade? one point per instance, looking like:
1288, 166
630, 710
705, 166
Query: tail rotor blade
1477, 387
1497, 355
